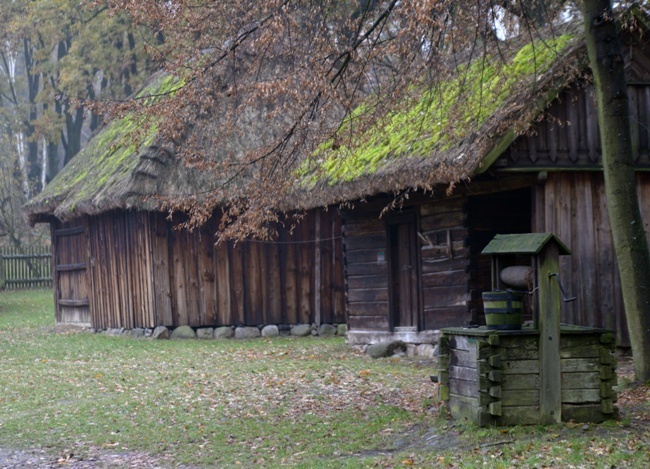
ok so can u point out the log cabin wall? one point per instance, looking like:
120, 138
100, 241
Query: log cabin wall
380, 271
445, 260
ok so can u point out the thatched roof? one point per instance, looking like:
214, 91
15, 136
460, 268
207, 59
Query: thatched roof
111, 174
426, 146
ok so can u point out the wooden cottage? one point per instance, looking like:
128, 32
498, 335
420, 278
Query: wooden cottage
532, 165
119, 262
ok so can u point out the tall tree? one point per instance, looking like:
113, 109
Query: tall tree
607, 65
355, 62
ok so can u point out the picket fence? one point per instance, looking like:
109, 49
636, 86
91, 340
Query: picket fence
29, 268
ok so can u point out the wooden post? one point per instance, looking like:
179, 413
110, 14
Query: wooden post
550, 404
317, 269
2, 272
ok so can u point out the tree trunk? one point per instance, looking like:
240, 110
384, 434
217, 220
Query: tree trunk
630, 243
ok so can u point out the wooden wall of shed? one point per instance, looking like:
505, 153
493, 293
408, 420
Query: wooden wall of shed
573, 206
145, 273
296, 278
121, 273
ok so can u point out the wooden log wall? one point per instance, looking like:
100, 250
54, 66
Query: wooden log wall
444, 260
573, 206
146, 273
366, 268
442, 265
70, 265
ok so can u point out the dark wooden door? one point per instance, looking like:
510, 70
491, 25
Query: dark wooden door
404, 272
70, 274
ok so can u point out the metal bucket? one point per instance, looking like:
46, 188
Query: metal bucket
503, 309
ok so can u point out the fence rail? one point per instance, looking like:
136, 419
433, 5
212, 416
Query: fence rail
31, 268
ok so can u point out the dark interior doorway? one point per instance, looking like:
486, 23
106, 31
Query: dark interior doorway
489, 215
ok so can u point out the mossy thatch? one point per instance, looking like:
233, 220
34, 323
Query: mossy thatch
118, 171
450, 134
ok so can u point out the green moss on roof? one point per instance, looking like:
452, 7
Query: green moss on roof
108, 158
440, 119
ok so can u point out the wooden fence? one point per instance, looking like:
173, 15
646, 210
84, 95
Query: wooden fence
31, 268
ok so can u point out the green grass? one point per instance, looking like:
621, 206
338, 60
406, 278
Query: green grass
298, 402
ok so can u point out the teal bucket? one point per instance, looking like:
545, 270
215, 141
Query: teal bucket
503, 309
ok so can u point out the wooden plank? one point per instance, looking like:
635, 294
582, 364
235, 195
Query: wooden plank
253, 298
317, 268
589, 380
369, 323
520, 397
520, 415
237, 285
520, 367
360, 282
291, 282
73, 302
224, 288
580, 365
463, 407
461, 342
580, 396
463, 388
366, 309
516, 382
549, 333
274, 284
207, 277
367, 268
591, 413
305, 272
463, 373
161, 268
365, 242
68, 231
465, 358
368, 295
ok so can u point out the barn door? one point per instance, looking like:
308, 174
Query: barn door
404, 272
70, 274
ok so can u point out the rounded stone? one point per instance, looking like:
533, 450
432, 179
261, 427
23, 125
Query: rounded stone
205, 333
327, 330
341, 329
270, 331
160, 332
183, 332
301, 330
247, 333
224, 332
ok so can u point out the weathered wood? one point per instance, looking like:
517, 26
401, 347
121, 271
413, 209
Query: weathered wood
520, 382
520, 367
581, 380
463, 388
463, 373
580, 396
462, 407
549, 335
579, 365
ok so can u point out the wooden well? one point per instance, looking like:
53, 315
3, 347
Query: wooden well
541, 374
493, 377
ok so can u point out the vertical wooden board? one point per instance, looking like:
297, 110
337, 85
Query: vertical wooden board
586, 247
119, 246
224, 295
291, 280
338, 269
273, 281
179, 285
161, 270
238, 290
326, 291
207, 277
131, 259
252, 271
305, 271
190, 261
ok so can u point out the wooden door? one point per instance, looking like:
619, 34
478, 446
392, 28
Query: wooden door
404, 272
70, 274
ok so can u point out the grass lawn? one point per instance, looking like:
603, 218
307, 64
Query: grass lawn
89, 399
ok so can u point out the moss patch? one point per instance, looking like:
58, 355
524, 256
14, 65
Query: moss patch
110, 156
440, 119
